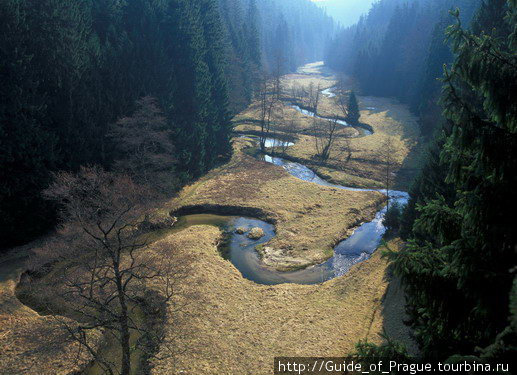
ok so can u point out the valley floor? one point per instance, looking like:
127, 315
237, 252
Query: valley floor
235, 326
31, 343
241, 325
387, 117
310, 219
238, 327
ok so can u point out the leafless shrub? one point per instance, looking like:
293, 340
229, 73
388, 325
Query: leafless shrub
325, 137
296, 92
329, 143
311, 97
386, 154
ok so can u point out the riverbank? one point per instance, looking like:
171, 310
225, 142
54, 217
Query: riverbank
31, 343
233, 325
300, 210
387, 117
238, 326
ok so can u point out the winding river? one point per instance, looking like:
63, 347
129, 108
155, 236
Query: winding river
356, 248
241, 250
363, 130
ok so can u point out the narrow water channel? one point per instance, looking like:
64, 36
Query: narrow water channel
365, 239
241, 250
356, 248
363, 131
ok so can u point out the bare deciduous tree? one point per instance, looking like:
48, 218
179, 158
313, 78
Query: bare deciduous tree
347, 102
282, 142
107, 271
345, 151
341, 87
342, 102
328, 141
143, 146
277, 74
270, 107
325, 136
296, 92
312, 96
386, 154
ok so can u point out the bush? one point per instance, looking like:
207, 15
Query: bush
392, 218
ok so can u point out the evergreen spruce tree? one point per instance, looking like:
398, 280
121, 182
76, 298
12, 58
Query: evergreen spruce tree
466, 245
429, 184
398, 50
425, 102
253, 34
192, 110
219, 128
26, 149
353, 109
45, 68
69, 69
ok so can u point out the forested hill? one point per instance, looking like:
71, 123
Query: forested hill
458, 265
70, 69
270, 35
398, 50
294, 31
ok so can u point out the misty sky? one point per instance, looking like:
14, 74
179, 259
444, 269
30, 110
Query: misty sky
345, 11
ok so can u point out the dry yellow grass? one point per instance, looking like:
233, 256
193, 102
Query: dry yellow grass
310, 219
29, 343
387, 117
239, 326
392, 313
232, 327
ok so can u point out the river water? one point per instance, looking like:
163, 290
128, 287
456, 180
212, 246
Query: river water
362, 130
358, 247
365, 239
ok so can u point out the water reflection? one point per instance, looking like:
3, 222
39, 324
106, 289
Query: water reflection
365, 239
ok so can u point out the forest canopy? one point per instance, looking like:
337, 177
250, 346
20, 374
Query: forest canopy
381, 155
71, 69
454, 62
398, 50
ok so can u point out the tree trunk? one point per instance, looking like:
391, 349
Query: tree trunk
388, 187
124, 326
125, 345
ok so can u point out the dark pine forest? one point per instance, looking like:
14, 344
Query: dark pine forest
69, 70
454, 63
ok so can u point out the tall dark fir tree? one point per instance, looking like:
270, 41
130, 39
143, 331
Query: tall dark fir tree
70, 69
461, 238
353, 114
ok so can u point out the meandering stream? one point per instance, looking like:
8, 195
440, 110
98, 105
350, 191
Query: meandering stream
362, 129
356, 248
